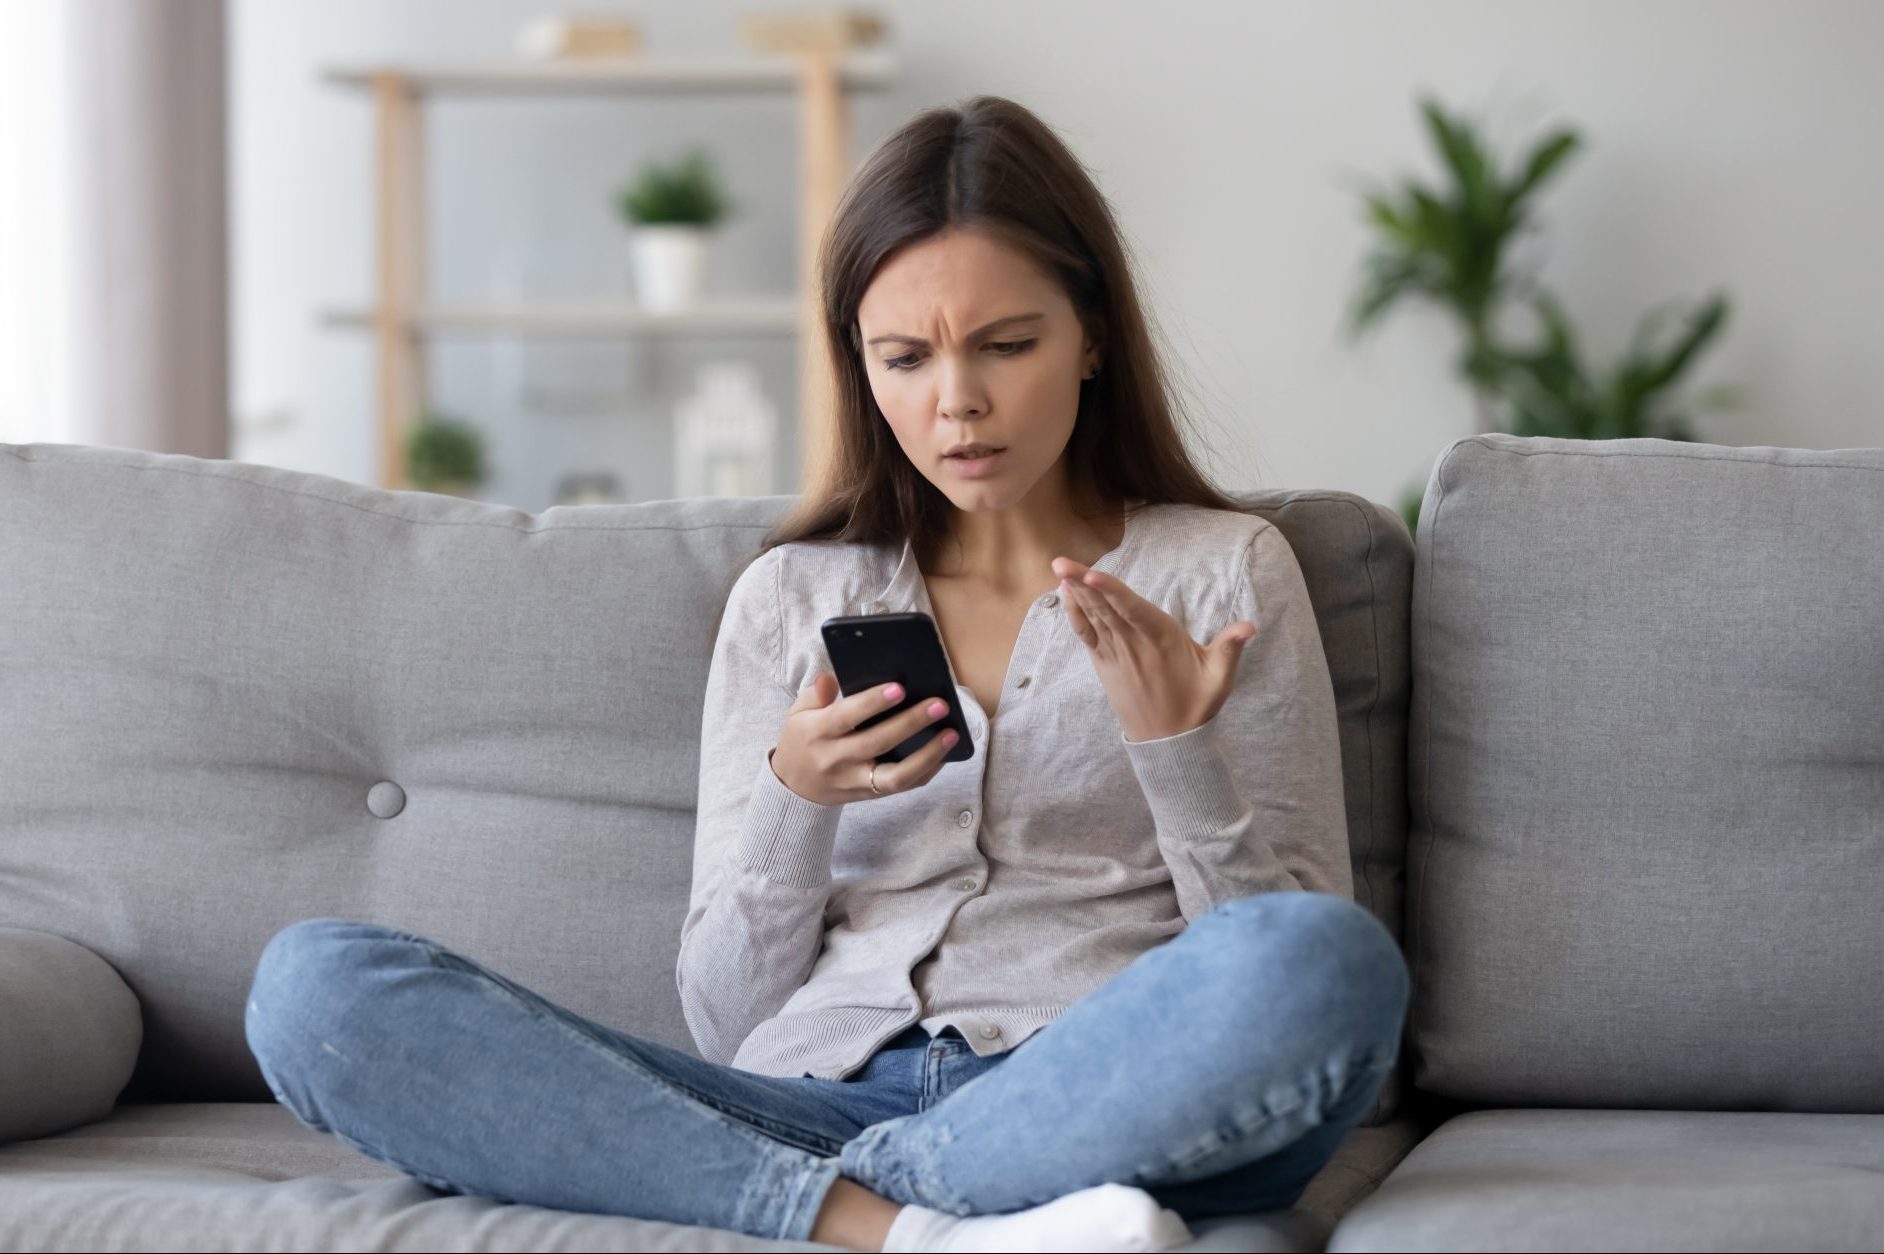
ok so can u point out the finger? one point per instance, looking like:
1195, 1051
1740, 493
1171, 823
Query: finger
923, 765
943, 747
1075, 616
1105, 625
1117, 596
873, 742
812, 695
854, 709
1227, 644
1093, 602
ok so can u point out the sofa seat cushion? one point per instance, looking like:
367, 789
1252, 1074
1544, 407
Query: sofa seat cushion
1631, 1180
247, 1175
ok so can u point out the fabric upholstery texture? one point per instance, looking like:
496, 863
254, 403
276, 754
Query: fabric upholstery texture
375, 705
1612, 764
188, 1176
1647, 759
70, 1035
1498, 1180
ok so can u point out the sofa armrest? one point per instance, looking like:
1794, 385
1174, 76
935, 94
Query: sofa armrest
70, 1028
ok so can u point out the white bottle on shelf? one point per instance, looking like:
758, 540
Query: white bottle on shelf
725, 434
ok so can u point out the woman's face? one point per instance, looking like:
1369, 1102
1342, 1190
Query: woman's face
952, 359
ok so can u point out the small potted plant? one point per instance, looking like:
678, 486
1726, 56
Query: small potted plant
445, 455
671, 210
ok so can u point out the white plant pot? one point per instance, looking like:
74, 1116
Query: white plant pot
668, 259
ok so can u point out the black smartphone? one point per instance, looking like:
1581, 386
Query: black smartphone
867, 650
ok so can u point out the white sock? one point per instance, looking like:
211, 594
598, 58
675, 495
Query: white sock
1105, 1217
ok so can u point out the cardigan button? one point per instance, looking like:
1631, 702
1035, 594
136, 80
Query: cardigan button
989, 1031
1050, 600
965, 819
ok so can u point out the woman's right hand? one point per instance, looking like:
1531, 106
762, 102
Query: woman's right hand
822, 756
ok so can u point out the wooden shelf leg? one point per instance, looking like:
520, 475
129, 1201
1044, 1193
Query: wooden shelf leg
824, 147
400, 272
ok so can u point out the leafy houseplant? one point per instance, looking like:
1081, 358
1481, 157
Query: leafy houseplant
671, 209
1550, 392
1448, 246
445, 455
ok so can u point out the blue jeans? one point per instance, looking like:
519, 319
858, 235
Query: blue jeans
1218, 1071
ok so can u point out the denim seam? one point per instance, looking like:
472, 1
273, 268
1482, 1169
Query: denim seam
733, 1117
430, 1181
1265, 1116
802, 1206
915, 1181
931, 1079
913, 1168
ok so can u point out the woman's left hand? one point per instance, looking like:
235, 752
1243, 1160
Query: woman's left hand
1160, 681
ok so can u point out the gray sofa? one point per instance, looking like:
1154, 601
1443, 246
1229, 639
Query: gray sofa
1613, 738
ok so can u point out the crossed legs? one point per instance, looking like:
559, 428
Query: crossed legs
1218, 1072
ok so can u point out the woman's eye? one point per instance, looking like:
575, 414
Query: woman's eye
1017, 347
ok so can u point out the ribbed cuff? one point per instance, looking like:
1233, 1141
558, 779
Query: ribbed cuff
1187, 782
786, 838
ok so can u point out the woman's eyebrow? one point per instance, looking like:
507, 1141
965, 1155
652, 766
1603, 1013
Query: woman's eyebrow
977, 333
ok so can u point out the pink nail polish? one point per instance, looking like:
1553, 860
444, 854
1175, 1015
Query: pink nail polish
893, 693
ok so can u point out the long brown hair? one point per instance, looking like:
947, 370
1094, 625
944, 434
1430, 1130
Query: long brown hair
994, 166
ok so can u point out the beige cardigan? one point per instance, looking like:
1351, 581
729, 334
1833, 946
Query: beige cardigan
1008, 886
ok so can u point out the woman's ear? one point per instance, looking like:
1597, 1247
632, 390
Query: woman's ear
1092, 355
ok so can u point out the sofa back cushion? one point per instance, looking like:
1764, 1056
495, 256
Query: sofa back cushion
237, 696
1357, 561
1647, 774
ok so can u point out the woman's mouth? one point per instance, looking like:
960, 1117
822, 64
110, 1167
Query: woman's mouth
974, 467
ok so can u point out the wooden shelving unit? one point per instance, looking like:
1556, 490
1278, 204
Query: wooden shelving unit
402, 319
606, 318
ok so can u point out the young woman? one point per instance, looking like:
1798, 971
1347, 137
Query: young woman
1102, 977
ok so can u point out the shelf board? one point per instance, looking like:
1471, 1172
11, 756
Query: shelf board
663, 75
595, 317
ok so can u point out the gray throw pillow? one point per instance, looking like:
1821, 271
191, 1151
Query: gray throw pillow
70, 1028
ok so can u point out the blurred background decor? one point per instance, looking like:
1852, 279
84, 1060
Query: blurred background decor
598, 487
672, 209
578, 38
532, 155
445, 454
725, 435
367, 209
827, 31
1452, 246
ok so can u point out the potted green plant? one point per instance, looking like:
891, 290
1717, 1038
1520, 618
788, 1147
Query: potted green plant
445, 455
671, 210
1448, 246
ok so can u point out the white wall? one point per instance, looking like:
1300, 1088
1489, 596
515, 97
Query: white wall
1729, 145
35, 382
